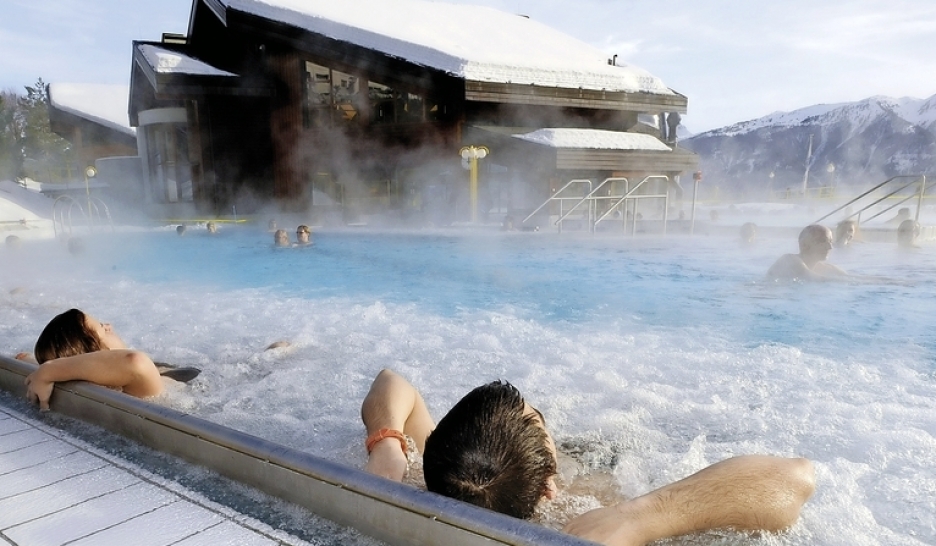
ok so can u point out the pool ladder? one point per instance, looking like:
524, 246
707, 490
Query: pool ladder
65, 205
918, 193
590, 197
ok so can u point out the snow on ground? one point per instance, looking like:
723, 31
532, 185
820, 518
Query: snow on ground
24, 212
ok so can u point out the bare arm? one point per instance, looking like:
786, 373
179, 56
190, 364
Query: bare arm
748, 493
393, 403
132, 371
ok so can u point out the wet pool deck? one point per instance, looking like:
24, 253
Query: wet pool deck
56, 489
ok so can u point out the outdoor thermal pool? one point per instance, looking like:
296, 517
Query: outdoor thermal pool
650, 357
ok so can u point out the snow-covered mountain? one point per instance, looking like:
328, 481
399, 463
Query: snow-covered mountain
853, 144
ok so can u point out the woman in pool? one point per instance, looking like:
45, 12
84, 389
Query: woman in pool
76, 346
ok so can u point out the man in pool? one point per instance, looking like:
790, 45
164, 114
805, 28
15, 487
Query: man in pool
815, 243
492, 449
280, 238
303, 235
907, 233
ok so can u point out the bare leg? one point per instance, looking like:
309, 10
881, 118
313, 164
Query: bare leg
394, 403
752, 492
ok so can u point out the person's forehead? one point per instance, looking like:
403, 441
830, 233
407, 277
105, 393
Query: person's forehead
820, 234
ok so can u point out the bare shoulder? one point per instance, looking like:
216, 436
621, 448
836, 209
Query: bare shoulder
788, 266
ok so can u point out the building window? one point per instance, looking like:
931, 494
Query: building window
393, 106
170, 174
330, 96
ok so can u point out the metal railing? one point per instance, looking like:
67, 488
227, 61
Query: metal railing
65, 205
893, 194
591, 198
621, 201
557, 196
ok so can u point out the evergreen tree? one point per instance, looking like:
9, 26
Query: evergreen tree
50, 153
11, 136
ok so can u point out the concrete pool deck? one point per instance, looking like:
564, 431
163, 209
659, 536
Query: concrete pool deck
57, 489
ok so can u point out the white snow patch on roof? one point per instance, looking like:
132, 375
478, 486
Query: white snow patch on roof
474, 42
104, 104
594, 139
165, 61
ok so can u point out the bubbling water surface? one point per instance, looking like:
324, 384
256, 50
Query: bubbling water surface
650, 357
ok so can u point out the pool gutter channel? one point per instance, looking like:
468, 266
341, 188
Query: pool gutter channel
388, 511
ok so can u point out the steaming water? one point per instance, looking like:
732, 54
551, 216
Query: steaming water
649, 357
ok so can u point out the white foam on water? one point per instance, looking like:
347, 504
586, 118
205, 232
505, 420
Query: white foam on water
651, 358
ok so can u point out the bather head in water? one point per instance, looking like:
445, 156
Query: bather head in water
76, 246
907, 233
815, 242
12, 241
492, 436
473, 454
303, 235
845, 233
748, 233
180, 230
902, 215
280, 238
76, 346
211, 227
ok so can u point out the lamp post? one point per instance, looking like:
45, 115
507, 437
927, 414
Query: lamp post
472, 154
830, 168
89, 173
696, 178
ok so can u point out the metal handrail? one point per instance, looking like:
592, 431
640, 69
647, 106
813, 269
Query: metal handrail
592, 201
914, 179
555, 197
628, 196
95, 205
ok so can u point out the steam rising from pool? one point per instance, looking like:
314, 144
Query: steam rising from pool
651, 356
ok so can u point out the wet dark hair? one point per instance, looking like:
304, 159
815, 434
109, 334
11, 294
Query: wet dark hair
487, 453
66, 335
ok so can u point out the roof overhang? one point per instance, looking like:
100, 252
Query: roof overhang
589, 149
92, 109
511, 93
172, 73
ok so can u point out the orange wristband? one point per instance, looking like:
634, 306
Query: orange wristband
382, 434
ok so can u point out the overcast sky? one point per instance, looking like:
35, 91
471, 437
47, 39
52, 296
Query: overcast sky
735, 60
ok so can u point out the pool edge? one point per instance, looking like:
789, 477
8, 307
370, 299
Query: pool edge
394, 513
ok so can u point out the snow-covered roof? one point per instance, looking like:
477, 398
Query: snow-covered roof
104, 104
473, 42
594, 139
165, 61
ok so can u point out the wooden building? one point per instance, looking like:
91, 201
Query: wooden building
93, 118
364, 106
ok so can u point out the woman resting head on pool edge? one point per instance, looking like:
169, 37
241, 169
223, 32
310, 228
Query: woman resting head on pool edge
76, 346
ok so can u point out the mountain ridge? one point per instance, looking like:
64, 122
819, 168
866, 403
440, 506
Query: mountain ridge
852, 144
